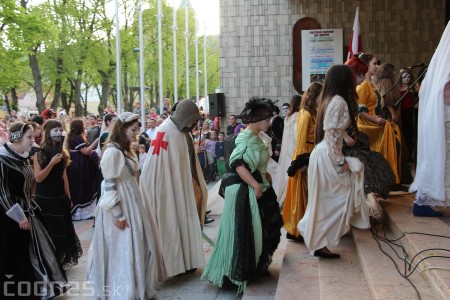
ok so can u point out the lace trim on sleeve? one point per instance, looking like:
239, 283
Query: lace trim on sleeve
335, 122
332, 140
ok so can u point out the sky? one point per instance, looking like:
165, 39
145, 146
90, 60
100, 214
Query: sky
207, 12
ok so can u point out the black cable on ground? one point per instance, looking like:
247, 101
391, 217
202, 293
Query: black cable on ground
393, 243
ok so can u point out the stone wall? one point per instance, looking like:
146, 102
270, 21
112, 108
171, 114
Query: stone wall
256, 39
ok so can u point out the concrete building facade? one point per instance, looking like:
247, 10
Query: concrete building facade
256, 44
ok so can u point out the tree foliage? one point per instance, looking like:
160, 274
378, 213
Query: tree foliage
62, 48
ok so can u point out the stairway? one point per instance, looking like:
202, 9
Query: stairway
364, 271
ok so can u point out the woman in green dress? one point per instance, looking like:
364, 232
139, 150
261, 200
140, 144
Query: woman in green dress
249, 231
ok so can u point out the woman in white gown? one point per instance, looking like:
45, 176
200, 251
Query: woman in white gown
287, 149
122, 253
336, 196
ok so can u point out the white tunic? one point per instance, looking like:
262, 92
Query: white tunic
167, 189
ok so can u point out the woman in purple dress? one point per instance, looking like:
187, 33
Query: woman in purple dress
82, 172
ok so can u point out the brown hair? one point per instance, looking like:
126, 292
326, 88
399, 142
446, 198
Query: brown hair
338, 81
294, 106
309, 99
48, 126
76, 129
117, 136
385, 71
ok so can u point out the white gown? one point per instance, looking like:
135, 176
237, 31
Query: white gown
432, 180
287, 151
122, 260
336, 199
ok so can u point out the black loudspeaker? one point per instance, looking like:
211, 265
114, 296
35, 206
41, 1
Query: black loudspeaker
216, 105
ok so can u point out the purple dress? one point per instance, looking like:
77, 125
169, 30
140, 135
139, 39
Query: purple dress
83, 177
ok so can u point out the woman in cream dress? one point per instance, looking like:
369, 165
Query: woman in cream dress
123, 257
336, 196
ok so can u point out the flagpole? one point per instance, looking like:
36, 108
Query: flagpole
160, 64
175, 78
186, 42
118, 65
205, 77
197, 82
141, 66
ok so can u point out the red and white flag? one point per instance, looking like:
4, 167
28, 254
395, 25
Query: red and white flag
355, 45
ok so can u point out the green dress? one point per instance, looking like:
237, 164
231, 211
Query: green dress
251, 238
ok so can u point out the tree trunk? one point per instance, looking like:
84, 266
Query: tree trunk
64, 102
125, 93
106, 88
77, 94
14, 99
33, 62
58, 83
8, 107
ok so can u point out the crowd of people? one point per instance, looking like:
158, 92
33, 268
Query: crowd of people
317, 168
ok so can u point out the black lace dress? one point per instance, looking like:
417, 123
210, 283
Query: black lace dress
55, 206
378, 175
26, 256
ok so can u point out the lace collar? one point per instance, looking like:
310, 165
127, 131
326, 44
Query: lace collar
16, 155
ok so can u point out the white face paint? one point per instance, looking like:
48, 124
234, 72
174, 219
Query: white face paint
56, 133
26, 141
406, 78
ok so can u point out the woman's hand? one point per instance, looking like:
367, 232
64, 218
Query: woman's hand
56, 159
258, 192
304, 170
346, 167
380, 121
349, 141
24, 224
121, 224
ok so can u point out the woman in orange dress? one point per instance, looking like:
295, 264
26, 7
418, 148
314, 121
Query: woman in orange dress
384, 135
296, 191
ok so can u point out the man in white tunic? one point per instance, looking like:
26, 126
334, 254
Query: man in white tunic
174, 190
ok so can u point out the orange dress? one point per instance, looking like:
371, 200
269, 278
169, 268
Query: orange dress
383, 139
296, 197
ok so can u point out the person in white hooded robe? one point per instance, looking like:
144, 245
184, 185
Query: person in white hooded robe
432, 180
174, 190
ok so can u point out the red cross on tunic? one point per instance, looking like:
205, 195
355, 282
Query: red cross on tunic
158, 143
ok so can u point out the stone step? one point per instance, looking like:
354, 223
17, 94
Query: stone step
307, 277
400, 220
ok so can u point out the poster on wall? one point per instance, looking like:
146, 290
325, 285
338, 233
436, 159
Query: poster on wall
321, 48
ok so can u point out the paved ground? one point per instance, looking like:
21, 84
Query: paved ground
182, 287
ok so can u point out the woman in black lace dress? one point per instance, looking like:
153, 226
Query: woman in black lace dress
28, 263
53, 194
